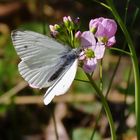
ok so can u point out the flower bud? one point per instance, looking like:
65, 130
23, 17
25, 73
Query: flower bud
53, 30
78, 34
93, 24
77, 20
68, 22
65, 19
57, 27
69, 18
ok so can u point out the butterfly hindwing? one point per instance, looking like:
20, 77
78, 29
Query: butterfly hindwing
62, 84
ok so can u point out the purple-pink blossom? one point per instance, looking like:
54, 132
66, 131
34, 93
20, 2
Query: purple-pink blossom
104, 30
101, 34
92, 51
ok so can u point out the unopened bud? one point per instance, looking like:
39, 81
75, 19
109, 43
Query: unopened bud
78, 34
57, 27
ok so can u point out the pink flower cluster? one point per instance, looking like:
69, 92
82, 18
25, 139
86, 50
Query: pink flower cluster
101, 34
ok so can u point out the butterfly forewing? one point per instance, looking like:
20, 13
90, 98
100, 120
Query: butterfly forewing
30, 44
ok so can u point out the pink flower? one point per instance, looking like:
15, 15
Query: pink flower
92, 51
104, 30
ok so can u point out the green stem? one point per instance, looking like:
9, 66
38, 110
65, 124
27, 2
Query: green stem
103, 4
108, 89
81, 80
135, 15
96, 124
126, 10
101, 75
120, 50
106, 107
55, 126
134, 62
72, 39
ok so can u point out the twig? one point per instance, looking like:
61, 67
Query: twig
22, 100
6, 96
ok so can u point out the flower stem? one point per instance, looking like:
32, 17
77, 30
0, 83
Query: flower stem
55, 125
101, 75
72, 39
120, 50
134, 62
82, 80
106, 107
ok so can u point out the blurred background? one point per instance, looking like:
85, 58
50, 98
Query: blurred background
23, 116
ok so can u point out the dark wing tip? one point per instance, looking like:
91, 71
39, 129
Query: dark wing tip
14, 32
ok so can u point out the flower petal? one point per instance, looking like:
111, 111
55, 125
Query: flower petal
99, 51
90, 65
94, 22
111, 41
110, 26
87, 39
101, 31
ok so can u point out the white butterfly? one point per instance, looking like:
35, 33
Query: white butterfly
45, 62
